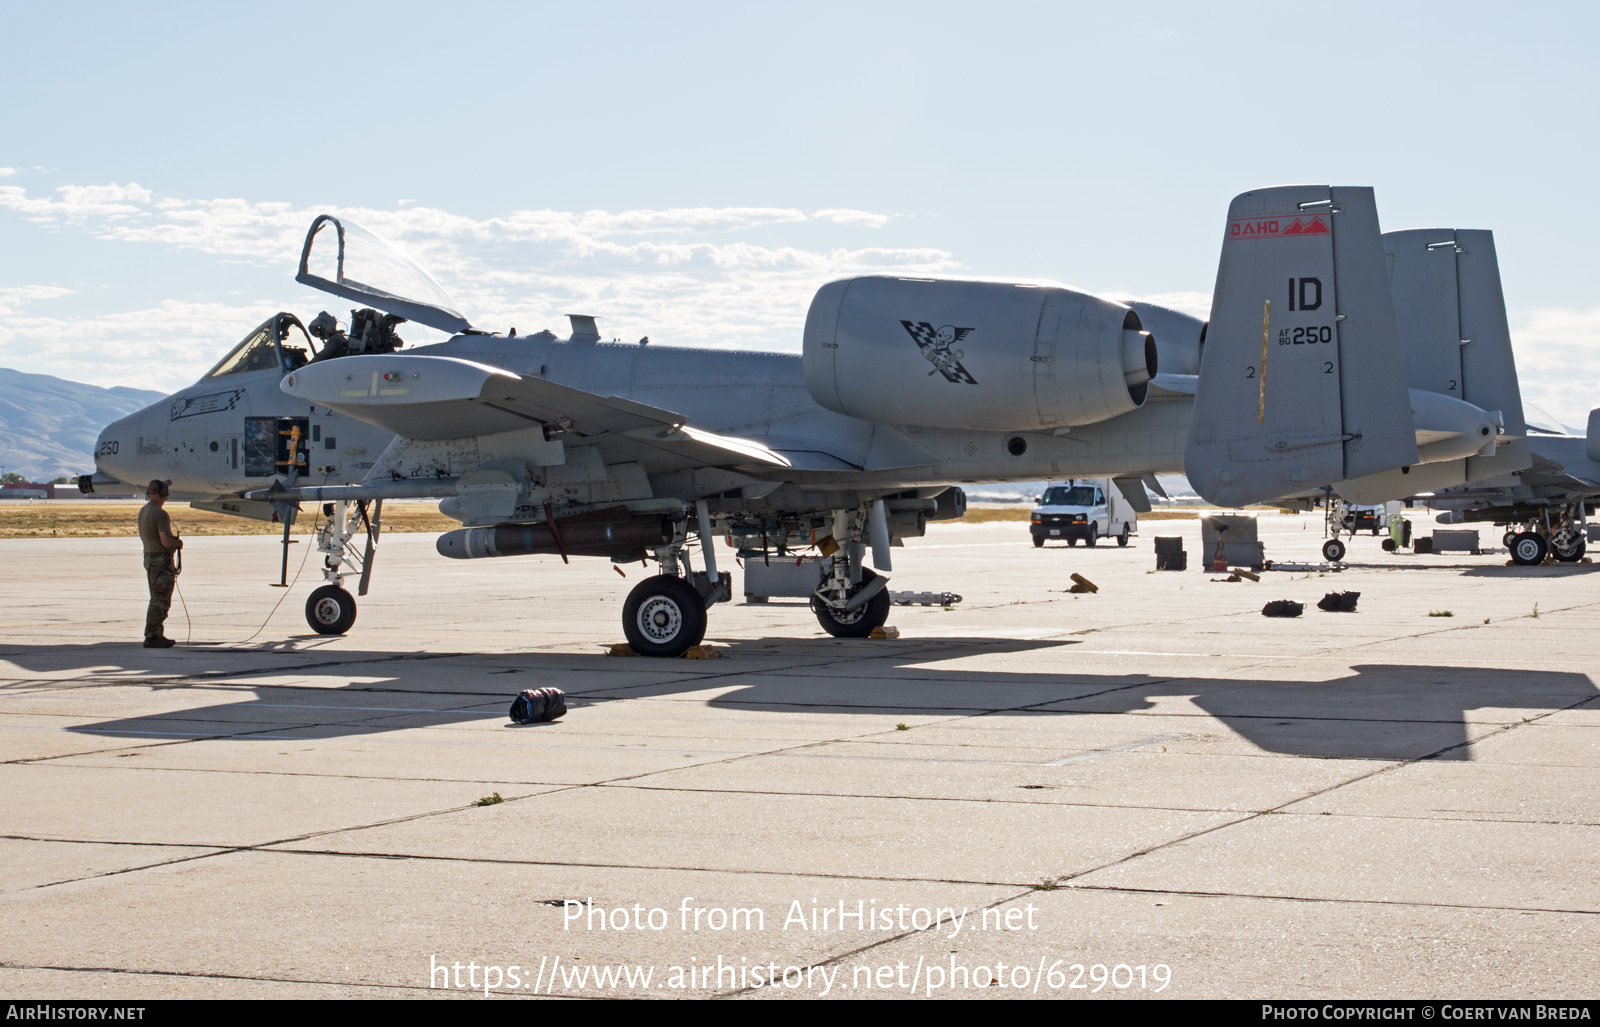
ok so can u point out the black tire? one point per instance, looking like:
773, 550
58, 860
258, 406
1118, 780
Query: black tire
1333, 550
1528, 549
330, 610
1509, 539
1094, 535
1389, 546
1072, 540
664, 616
1570, 554
1122, 539
1038, 542
859, 622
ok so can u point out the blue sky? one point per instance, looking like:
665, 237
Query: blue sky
695, 171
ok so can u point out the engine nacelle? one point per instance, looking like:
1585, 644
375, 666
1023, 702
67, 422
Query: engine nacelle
1003, 357
1180, 338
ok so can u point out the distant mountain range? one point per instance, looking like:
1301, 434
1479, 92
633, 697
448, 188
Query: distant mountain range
48, 426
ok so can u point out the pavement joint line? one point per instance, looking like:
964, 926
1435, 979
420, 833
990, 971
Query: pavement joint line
1448, 817
1312, 795
87, 752
202, 975
669, 867
264, 846
1494, 731
911, 798
90, 841
1407, 903
220, 850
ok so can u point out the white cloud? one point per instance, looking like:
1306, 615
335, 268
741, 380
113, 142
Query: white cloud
865, 219
162, 347
703, 276
1558, 362
6, 172
14, 298
76, 203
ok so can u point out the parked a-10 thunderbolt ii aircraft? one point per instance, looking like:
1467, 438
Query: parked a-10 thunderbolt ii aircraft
905, 388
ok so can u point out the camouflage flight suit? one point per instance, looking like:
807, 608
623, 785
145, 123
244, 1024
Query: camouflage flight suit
158, 568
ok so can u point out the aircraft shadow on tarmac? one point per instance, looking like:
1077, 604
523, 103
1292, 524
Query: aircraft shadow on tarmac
1375, 711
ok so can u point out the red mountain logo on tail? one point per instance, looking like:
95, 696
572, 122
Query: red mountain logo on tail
1274, 227
1316, 226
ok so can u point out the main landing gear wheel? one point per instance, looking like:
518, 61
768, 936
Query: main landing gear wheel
1333, 550
664, 616
1509, 539
857, 623
1122, 539
1569, 553
1038, 543
1094, 535
1528, 549
330, 610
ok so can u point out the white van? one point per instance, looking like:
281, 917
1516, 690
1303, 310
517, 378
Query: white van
1090, 511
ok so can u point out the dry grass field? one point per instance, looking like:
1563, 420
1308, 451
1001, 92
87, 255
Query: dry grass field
111, 519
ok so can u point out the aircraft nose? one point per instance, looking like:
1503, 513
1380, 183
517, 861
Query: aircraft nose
114, 449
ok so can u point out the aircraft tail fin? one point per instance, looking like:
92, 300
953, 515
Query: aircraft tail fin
1302, 382
1452, 316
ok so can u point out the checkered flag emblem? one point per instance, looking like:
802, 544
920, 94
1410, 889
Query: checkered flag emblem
937, 345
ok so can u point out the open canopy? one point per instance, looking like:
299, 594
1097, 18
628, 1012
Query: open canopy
359, 265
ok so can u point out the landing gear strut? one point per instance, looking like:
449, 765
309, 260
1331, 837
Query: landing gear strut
852, 600
331, 610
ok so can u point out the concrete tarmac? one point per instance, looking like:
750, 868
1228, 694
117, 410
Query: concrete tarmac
1152, 791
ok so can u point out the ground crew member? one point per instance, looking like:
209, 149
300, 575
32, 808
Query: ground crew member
160, 551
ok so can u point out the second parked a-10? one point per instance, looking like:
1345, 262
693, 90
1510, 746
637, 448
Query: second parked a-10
906, 389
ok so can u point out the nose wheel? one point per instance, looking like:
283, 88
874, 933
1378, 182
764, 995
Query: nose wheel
330, 610
859, 622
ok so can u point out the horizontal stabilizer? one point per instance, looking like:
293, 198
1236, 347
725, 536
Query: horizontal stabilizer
1302, 381
1132, 490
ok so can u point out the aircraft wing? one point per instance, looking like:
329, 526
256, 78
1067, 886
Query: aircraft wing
1546, 476
435, 398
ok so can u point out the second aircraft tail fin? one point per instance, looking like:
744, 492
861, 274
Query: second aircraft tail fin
1302, 383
